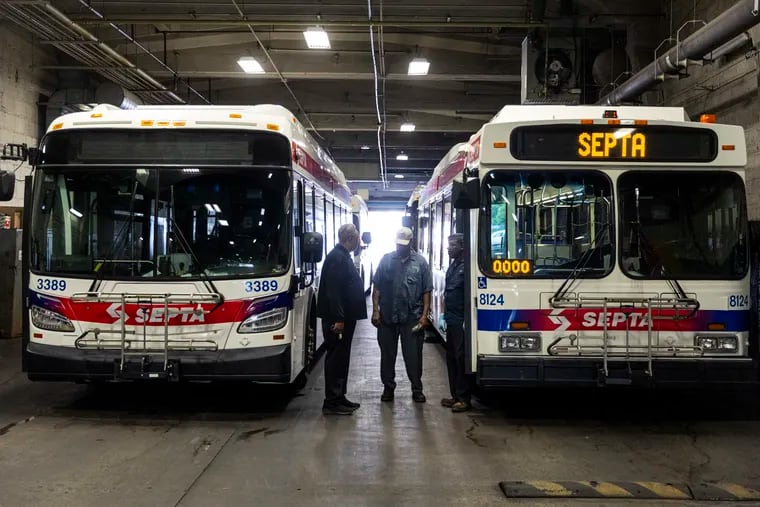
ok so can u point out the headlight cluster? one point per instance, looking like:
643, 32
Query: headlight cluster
267, 321
726, 344
509, 342
50, 320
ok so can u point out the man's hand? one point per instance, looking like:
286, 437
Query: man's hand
376, 318
423, 322
338, 327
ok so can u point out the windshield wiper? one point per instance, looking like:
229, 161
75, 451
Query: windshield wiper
185, 246
117, 242
580, 267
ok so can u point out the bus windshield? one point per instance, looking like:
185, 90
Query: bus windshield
147, 222
685, 225
546, 224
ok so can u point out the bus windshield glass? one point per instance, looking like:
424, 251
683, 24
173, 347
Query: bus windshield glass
683, 225
546, 224
151, 222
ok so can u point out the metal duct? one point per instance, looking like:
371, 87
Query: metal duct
111, 93
728, 25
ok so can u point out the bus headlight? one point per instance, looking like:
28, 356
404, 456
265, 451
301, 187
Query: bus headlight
718, 344
519, 342
49, 320
267, 321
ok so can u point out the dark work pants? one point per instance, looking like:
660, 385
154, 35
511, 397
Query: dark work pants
337, 358
459, 381
411, 349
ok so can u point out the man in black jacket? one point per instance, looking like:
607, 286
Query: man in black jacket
340, 304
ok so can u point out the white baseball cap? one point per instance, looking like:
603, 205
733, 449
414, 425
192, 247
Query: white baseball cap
404, 236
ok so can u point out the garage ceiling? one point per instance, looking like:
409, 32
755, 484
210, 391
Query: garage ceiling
191, 48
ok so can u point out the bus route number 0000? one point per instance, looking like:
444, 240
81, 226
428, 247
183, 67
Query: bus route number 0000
512, 267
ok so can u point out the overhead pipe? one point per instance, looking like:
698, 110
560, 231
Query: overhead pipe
737, 19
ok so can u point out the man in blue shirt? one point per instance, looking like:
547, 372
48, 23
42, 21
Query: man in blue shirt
400, 306
453, 316
340, 303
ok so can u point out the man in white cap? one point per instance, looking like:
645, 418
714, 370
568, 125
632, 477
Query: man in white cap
400, 306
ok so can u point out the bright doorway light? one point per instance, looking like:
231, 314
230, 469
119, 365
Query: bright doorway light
402, 156
407, 127
250, 65
418, 67
398, 176
316, 38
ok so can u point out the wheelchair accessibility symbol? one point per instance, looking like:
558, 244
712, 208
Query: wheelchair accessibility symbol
482, 282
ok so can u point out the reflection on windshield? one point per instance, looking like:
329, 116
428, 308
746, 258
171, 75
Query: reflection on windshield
175, 223
687, 225
560, 222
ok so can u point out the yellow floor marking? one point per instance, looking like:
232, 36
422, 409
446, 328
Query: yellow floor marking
664, 490
550, 488
739, 491
607, 489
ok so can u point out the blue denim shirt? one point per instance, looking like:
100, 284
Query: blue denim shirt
401, 285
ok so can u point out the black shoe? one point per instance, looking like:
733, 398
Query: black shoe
350, 404
387, 395
337, 410
419, 397
448, 402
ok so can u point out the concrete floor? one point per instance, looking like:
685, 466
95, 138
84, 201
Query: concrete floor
201, 445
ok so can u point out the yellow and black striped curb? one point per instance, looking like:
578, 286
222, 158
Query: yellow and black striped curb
719, 491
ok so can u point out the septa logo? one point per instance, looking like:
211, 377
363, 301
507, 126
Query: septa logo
156, 314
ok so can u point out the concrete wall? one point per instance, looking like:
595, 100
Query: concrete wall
728, 88
21, 83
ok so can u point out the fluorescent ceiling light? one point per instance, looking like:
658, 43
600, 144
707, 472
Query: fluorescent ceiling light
316, 38
418, 67
402, 157
76, 212
398, 176
250, 65
209, 208
365, 147
223, 223
407, 127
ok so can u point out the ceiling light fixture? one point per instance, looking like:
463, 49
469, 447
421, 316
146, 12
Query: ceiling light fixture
316, 38
398, 176
418, 67
402, 156
365, 147
407, 127
250, 65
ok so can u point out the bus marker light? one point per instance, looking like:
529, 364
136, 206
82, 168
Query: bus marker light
179, 123
273, 126
613, 122
146, 123
500, 145
57, 126
236, 116
519, 326
716, 326
38, 335
728, 147
162, 124
278, 337
587, 122
96, 115
707, 118
640, 122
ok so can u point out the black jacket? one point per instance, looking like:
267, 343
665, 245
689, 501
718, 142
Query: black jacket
341, 291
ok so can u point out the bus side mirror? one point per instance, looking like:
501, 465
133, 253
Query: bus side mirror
312, 247
466, 195
7, 185
34, 156
366, 238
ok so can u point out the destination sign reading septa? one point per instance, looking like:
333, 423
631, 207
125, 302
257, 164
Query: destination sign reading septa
620, 144
614, 143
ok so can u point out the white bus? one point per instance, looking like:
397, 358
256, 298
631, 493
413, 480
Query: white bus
604, 245
177, 242
362, 260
